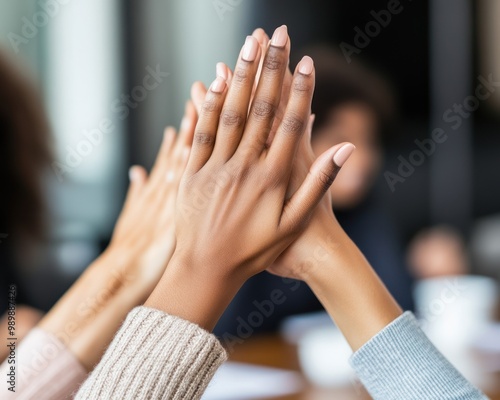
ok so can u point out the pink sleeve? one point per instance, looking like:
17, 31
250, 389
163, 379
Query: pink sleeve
43, 367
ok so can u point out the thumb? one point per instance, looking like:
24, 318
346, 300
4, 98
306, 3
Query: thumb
317, 182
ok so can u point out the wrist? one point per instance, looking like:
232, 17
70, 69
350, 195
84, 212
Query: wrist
323, 249
198, 295
351, 292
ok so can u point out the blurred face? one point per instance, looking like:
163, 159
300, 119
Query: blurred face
353, 123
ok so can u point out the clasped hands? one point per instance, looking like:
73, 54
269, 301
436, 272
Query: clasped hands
252, 164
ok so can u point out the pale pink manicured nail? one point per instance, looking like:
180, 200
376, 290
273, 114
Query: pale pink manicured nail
306, 65
185, 124
250, 49
221, 70
280, 37
218, 85
132, 173
343, 154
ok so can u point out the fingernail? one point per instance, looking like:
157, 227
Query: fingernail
250, 49
169, 134
306, 65
132, 173
221, 70
259, 34
218, 85
280, 37
343, 154
185, 124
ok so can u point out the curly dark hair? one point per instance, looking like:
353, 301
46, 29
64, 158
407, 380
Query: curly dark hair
25, 151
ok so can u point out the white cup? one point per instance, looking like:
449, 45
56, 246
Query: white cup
324, 357
453, 310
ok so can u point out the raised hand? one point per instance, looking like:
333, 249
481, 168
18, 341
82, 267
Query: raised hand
145, 229
89, 314
235, 211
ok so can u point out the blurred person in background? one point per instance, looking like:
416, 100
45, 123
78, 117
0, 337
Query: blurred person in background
24, 154
438, 251
351, 103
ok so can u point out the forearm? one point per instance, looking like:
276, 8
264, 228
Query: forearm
350, 290
86, 318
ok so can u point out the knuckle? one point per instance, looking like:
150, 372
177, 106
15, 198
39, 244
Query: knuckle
231, 118
325, 180
240, 76
204, 138
302, 85
262, 109
210, 105
273, 61
292, 124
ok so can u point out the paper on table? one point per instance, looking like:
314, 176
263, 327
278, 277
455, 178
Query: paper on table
238, 381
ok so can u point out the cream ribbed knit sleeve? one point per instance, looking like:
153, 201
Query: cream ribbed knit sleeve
155, 356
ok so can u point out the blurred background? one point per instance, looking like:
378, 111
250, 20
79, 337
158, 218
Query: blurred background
113, 74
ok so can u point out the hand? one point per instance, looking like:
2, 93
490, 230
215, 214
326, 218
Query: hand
89, 314
235, 214
145, 231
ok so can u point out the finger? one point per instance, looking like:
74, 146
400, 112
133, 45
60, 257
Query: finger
284, 146
268, 94
303, 161
207, 126
138, 178
188, 124
224, 72
235, 110
263, 40
221, 70
321, 176
230, 75
166, 147
198, 93
280, 112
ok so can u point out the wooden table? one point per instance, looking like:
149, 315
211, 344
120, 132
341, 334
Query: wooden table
272, 351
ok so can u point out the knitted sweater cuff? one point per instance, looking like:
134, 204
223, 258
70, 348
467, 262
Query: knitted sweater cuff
155, 356
400, 362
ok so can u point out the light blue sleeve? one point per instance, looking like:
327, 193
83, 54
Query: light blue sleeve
401, 363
